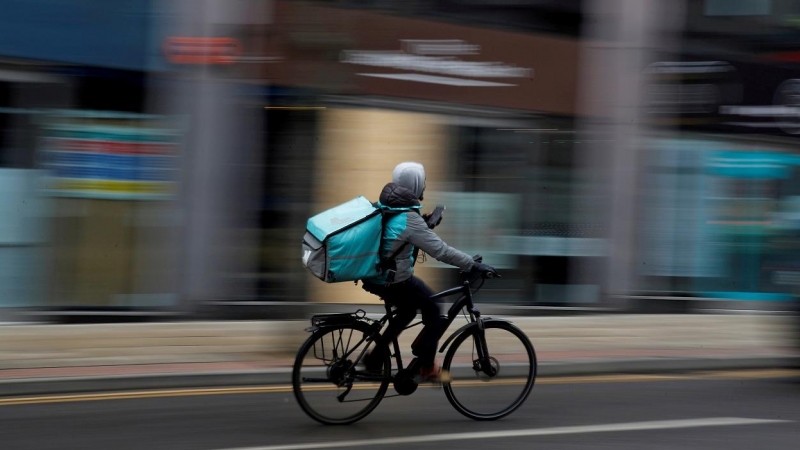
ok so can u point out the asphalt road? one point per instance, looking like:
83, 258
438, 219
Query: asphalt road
719, 411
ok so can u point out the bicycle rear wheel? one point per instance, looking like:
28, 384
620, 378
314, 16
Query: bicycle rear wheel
329, 381
511, 372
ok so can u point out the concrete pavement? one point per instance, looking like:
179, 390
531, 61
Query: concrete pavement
68, 358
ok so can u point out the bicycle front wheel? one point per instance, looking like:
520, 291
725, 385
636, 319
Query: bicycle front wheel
329, 380
509, 369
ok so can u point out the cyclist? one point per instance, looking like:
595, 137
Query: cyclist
404, 234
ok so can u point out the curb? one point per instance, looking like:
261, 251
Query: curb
664, 365
71, 385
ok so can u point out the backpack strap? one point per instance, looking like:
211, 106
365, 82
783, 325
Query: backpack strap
387, 262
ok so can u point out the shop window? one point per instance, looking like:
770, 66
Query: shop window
738, 7
16, 132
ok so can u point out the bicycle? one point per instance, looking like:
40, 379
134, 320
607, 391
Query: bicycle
338, 366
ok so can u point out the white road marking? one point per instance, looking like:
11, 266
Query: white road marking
581, 429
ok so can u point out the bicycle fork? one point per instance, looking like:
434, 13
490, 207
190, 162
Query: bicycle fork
484, 361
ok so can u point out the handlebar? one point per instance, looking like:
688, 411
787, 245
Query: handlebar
467, 274
479, 259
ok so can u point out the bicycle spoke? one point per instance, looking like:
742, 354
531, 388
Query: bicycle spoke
348, 340
328, 386
336, 342
341, 347
316, 380
338, 348
509, 372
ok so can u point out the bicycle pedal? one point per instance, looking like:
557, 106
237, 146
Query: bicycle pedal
428, 381
443, 378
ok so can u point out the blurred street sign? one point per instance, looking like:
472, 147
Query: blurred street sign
201, 50
102, 160
408, 58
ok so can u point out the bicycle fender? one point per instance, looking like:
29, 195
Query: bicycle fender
467, 327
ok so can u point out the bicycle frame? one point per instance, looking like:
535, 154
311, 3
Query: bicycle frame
343, 367
463, 302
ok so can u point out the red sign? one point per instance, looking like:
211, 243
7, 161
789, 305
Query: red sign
192, 50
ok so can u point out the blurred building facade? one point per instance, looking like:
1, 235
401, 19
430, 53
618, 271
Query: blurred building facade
719, 173
73, 73
164, 156
460, 98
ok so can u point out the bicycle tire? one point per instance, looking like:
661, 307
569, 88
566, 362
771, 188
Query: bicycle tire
307, 346
529, 383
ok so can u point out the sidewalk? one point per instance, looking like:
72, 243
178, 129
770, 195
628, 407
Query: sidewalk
36, 359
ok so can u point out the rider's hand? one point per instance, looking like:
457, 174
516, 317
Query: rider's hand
485, 270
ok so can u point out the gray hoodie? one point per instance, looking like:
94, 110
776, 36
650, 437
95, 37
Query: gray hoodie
411, 176
408, 227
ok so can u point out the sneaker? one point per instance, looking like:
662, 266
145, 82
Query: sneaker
434, 374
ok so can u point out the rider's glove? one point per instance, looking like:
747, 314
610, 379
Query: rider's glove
484, 269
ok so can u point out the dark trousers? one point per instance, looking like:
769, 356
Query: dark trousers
408, 297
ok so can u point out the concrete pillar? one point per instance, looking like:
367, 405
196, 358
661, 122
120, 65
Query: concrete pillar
216, 160
619, 38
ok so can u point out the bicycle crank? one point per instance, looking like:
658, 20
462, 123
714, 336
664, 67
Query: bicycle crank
404, 382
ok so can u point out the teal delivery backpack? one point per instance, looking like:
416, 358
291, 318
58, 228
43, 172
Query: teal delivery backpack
343, 243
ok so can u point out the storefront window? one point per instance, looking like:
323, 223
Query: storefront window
719, 219
531, 172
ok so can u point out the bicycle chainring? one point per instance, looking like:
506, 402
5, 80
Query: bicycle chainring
404, 382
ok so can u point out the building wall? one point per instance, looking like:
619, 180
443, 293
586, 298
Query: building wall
358, 150
91, 32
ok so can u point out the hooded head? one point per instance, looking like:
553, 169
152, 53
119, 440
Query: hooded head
411, 176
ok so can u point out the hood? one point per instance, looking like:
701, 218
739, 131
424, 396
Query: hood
410, 175
396, 196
